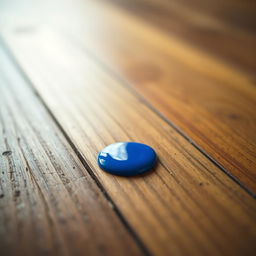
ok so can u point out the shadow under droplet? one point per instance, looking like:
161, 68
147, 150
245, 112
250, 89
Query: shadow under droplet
144, 174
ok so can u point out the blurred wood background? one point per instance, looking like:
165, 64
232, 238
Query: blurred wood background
78, 75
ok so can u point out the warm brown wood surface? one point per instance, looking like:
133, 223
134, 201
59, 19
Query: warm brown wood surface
185, 205
209, 100
49, 204
223, 28
78, 75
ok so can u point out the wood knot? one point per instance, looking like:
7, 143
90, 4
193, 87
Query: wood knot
17, 193
7, 153
24, 29
233, 116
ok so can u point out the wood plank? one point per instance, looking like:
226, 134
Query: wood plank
187, 85
49, 204
187, 206
224, 29
236, 13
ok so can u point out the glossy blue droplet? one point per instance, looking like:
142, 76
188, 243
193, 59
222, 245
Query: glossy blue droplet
127, 158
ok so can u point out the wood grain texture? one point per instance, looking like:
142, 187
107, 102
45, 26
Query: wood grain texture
49, 204
223, 28
210, 101
187, 206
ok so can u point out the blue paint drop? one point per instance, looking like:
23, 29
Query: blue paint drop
127, 158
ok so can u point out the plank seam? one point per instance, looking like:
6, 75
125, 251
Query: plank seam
122, 219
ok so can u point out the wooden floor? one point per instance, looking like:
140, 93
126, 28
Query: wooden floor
78, 75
